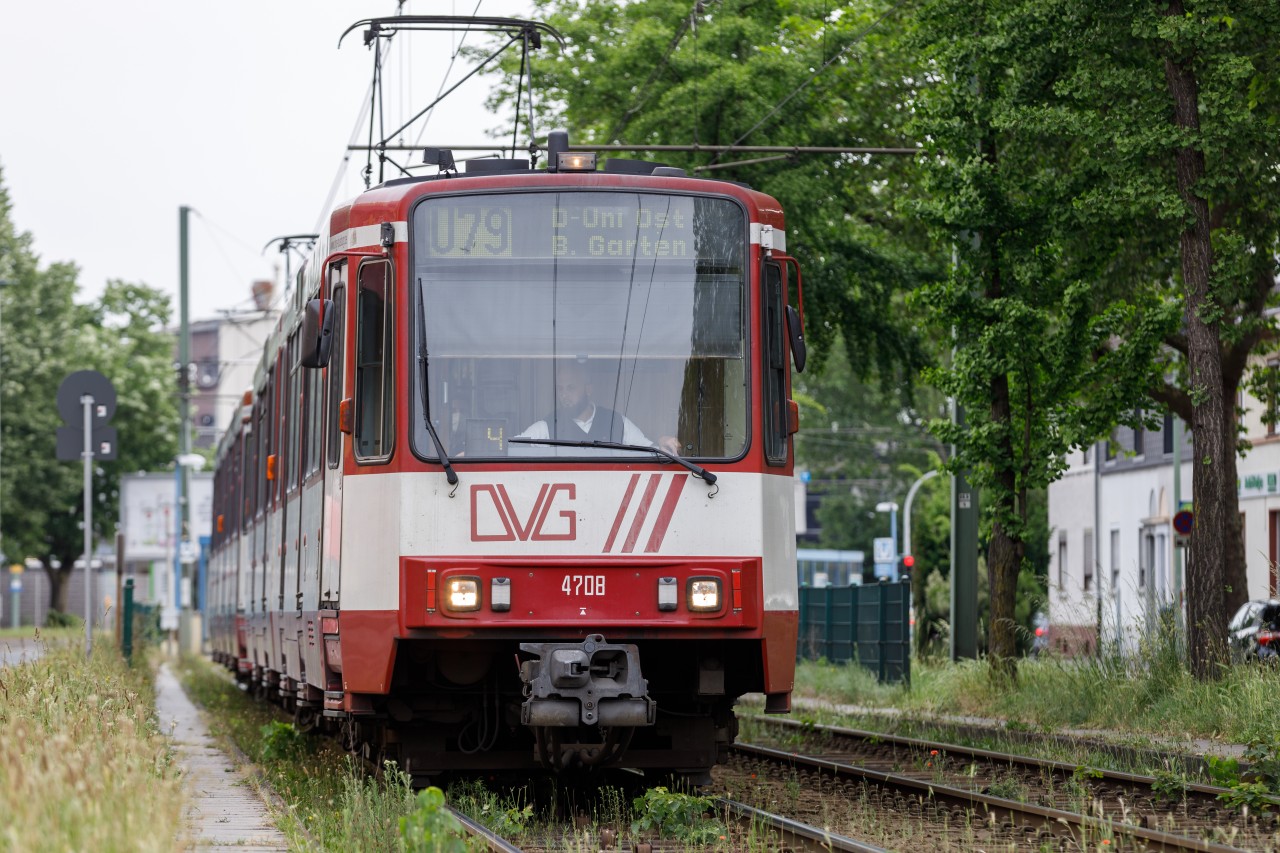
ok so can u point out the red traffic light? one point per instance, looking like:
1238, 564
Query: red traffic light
908, 561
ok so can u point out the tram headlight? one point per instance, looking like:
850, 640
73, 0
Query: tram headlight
461, 594
704, 595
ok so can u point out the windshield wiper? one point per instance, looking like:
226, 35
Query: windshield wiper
426, 415
698, 470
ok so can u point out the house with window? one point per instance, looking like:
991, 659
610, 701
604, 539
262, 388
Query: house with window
1116, 564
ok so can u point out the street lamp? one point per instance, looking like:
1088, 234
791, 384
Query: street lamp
906, 515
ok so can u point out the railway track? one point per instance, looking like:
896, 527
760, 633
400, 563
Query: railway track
961, 817
1172, 804
747, 827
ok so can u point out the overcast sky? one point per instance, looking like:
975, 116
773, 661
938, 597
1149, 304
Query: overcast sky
114, 114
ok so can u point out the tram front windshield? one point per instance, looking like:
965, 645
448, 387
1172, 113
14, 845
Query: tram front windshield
580, 317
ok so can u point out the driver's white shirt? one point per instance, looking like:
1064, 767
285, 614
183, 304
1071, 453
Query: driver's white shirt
631, 433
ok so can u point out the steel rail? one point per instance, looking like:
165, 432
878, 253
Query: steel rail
492, 840
811, 837
1029, 761
1058, 822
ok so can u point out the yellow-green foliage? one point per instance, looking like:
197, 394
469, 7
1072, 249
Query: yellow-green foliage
83, 765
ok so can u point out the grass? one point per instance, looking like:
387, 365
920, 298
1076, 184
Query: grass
83, 764
1150, 695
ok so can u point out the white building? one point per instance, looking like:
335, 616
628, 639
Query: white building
1114, 561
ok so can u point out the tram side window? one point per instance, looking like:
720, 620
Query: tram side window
250, 471
374, 414
336, 371
775, 368
264, 448
294, 407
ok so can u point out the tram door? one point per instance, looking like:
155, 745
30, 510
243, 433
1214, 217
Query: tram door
335, 378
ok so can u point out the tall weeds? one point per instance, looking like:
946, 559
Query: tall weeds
83, 765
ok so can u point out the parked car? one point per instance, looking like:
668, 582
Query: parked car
1254, 632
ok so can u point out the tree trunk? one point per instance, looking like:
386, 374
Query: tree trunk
1003, 564
58, 584
1213, 454
1235, 572
1003, 552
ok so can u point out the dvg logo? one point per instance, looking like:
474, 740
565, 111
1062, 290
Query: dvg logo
494, 517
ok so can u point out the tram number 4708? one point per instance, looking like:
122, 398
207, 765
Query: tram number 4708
583, 585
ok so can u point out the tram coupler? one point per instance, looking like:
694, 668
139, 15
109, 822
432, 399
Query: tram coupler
590, 683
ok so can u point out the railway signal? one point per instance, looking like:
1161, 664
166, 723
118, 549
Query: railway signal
88, 398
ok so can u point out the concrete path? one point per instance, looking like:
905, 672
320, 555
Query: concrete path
16, 650
225, 814
1172, 742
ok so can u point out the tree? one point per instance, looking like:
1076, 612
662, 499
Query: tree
999, 186
1177, 104
46, 336
861, 444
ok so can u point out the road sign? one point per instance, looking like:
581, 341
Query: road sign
882, 549
1184, 522
15, 583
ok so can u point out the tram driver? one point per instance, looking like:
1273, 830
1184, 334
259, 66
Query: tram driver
578, 418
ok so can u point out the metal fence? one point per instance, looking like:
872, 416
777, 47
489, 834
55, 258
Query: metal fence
869, 624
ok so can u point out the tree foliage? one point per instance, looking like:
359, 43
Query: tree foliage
800, 72
45, 336
1095, 219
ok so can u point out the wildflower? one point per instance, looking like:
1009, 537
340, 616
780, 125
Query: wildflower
933, 752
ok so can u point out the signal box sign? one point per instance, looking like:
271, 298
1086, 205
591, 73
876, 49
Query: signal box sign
71, 393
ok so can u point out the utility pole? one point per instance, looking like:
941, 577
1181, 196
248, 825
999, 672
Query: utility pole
180, 507
964, 562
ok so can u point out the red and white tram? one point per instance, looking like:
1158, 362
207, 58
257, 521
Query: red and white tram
427, 539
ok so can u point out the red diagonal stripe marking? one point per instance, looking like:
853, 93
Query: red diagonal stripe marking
622, 511
664, 514
641, 512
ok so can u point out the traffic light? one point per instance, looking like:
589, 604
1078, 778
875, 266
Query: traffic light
908, 561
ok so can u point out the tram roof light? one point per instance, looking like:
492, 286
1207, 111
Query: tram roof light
442, 157
575, 161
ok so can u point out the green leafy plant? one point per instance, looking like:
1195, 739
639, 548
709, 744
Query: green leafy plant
281, 741
680, 816
1257, 787
1223, 772
1008, 787
1258, 796
1170, 785
430, 828
1077, 786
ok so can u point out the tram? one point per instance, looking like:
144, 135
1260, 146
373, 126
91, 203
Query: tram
513, 486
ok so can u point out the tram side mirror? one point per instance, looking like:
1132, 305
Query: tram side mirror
316, 338
799, 352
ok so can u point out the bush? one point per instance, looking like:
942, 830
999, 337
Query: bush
58, 619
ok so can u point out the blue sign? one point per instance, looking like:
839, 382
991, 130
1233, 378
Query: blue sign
15, 584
